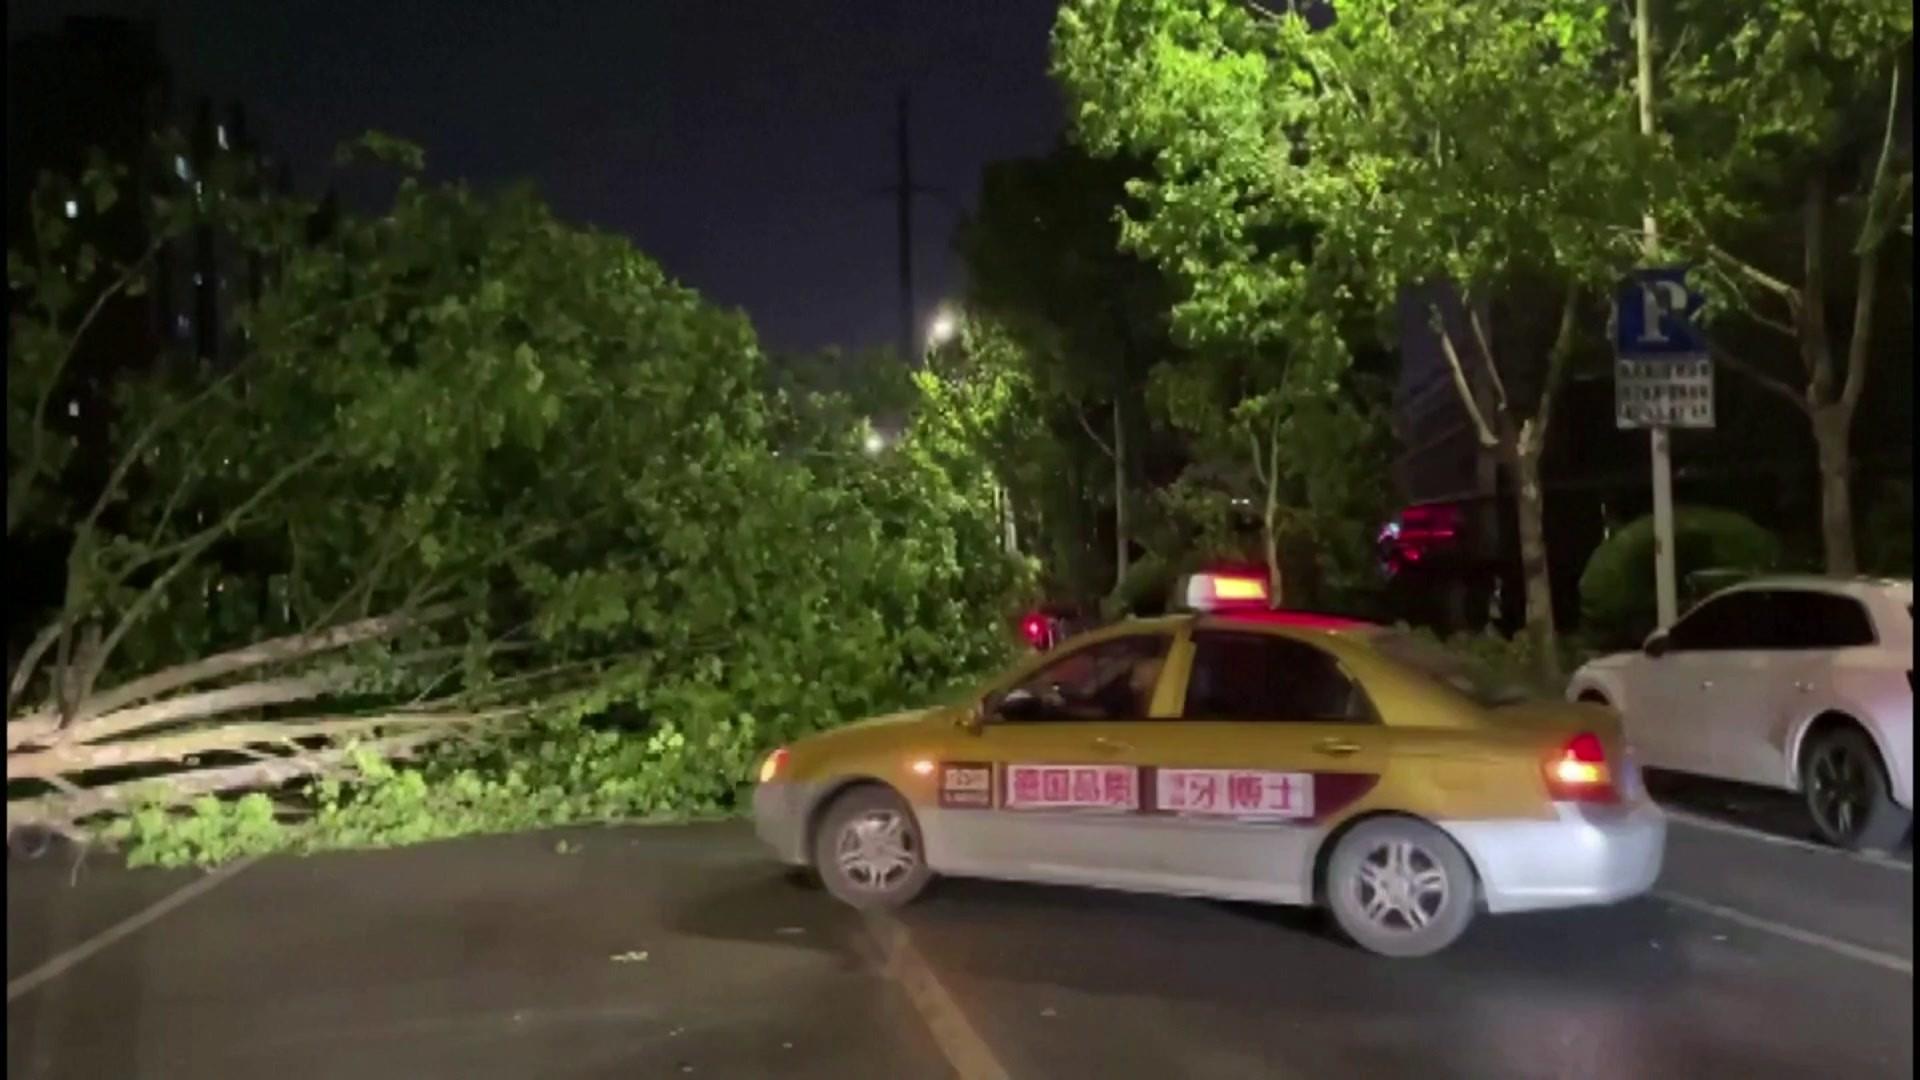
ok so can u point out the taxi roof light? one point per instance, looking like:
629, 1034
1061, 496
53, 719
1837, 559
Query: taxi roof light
1578, 771
1222, 592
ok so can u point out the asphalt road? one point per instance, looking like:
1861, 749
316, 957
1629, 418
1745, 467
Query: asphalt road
676, 951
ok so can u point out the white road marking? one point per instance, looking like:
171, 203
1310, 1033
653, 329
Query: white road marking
965, 1050
65, 961
1876, 957
1715, 825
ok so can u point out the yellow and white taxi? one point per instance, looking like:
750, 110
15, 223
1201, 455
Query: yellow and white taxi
1239, 753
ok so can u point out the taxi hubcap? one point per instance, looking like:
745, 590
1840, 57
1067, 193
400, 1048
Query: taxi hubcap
876, 851
1399, 886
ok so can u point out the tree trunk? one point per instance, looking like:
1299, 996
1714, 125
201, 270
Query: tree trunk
1530, 511
1120, 539
1276, 580
1832, 428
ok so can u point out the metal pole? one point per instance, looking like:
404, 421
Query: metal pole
904, 208
1665, 588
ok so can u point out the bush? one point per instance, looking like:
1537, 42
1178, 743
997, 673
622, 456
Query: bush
1713, 548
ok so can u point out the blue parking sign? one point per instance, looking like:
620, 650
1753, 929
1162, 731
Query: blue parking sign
1653, 316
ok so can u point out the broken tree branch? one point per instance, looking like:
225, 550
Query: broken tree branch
273, 651
203, 706
55, 811
55, 761
30, 660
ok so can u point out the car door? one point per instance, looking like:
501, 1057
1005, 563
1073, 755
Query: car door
1274, 738
1037, 790
1756, 710
1680, 698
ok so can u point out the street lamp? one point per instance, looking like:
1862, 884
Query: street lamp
874, 442
943, 328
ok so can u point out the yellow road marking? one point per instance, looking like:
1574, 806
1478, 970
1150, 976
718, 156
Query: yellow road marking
63, 962
965, 1050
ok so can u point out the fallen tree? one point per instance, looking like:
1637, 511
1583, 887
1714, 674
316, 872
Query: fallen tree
481, 493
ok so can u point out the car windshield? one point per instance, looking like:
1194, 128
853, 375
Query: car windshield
1461, 672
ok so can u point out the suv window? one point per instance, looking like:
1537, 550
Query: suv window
1739, 620
1108, 680
1804, 619
1239, 676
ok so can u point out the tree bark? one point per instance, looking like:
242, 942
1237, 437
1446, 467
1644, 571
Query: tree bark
1269, 473
1120, 538
1832, 428
65, 759
1530, 513
277, 650
64, 810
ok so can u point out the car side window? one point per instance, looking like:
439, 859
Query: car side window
1805, 619
1740, 620
1241, 676
1108, 680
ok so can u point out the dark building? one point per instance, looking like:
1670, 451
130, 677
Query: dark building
100, 85
98, 88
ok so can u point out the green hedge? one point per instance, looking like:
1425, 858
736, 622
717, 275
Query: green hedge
1713, 548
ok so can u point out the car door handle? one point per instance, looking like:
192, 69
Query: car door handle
1111, 746
1803, 686
1337, 747
1706, 684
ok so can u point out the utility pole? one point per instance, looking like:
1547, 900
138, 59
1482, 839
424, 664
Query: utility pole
1666, 591
903, 203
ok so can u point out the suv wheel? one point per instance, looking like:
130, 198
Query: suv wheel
1847, 792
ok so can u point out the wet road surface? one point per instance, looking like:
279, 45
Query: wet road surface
680, 951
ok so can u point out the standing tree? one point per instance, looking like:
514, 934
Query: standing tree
1770, 104
1485, 147
1044, 263
1281, 439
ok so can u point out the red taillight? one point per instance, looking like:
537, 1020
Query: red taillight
1034, 628
1579, 772
775, 764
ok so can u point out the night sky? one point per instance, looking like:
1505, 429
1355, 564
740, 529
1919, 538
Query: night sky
744, 144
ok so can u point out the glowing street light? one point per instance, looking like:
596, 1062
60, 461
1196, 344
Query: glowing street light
874, 442
943, 328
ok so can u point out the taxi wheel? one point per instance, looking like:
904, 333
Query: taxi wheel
1400, 887
868, 850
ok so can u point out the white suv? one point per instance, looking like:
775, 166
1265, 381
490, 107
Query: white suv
1799, 683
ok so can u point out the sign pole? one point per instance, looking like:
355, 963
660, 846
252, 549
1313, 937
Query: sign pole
1666, 591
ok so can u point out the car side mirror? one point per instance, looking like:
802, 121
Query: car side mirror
1658, 644
1013, 705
